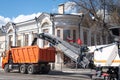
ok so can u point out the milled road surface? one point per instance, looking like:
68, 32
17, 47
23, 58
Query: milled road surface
80, 74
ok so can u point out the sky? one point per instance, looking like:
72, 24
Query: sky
13, 8
20, 10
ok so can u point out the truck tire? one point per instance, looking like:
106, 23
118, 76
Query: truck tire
31, 69
119, 73
6, 68
23, 69
45, 69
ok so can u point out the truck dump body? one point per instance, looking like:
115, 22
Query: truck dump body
29, 59
33, 54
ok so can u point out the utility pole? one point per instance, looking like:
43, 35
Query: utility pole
81, 19
53, 25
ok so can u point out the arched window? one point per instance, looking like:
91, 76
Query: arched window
45, 25
10, 31
26, 39
10, 38
45, 29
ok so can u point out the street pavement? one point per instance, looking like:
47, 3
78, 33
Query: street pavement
81, 74
64, 74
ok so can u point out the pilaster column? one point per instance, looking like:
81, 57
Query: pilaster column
81, 34
30, 37
22, 40
40, 41
89, 37
51, 30
7, 42
14, 39
59, 61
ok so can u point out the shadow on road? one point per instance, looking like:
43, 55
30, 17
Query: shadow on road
55, 73
70, 74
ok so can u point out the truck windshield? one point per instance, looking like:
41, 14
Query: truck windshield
115, 31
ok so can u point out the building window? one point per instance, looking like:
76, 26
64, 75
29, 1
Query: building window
98, 38
10, 41
45, 25
45, 43
92, 39
85, 35
18, 42
66, 33
18, 38
74, 35
34, 35
26, 39
58, 33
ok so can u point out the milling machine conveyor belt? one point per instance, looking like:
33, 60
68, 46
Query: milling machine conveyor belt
69, 50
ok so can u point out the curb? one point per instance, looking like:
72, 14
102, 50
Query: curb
77, 70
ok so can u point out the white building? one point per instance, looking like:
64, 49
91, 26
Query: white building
61, 25
2, 43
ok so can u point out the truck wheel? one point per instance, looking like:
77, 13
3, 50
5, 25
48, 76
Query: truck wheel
23, 69
31, 69
6, 68
45, 69
118, 73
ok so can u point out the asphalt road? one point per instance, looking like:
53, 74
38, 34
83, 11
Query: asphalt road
53, 75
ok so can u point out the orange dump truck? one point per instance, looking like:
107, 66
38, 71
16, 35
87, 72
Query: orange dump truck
28, 59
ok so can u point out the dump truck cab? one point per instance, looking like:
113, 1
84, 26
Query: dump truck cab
5, 57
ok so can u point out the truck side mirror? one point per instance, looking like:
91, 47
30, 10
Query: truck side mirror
114, 31
3, 54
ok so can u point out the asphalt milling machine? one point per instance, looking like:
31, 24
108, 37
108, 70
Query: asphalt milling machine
105, 59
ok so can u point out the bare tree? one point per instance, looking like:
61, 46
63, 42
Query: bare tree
110, 8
